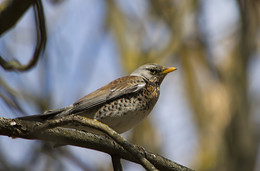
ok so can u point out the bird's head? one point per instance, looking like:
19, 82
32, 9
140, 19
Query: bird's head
153, 72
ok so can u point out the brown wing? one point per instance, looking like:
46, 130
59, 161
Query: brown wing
114, 89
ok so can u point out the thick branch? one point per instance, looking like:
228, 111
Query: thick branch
75, 120
24, 129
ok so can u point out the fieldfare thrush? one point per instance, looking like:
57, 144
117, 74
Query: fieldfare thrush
121, 104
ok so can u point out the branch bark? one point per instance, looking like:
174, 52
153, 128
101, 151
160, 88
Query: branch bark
30, 130
76, 120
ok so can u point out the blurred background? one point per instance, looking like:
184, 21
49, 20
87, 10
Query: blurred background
207, 117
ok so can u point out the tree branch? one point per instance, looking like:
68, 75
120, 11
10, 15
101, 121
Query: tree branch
76, 120
30, 130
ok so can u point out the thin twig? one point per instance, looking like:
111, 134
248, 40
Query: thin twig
116, 163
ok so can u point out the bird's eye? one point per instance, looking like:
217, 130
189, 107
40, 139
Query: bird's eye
153, 71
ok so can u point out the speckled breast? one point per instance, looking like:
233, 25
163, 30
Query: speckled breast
127, 111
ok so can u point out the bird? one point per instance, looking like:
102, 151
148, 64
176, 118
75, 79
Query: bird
121, 104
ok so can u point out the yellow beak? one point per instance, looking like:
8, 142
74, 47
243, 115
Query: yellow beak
167, 70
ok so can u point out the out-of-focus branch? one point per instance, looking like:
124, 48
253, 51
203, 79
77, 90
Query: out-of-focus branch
74, 158
9, 99
41, 33
118, 24
241, 137
223, 100
172, 17
17, 128
11, 11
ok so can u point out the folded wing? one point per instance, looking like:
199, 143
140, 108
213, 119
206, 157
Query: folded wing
113, 90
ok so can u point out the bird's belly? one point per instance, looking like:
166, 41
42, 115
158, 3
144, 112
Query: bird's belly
129, 120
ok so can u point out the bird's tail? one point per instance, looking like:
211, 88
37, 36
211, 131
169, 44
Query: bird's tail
49, 114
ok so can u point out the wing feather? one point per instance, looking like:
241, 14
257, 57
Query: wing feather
113, 90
